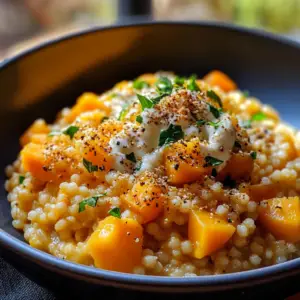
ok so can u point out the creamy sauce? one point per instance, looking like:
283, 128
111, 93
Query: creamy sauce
143, 140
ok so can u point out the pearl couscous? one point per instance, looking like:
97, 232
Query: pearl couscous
163, 175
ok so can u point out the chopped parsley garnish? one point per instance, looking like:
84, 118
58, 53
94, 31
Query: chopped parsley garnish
89, 166
53, 133
215, 111
237, 145
211, 94
192, 85
115, 212
200, 122
123, 112
179, 80
92, 202
113, 95
170, 135
139, 119
131, 157
246, 93
140, 84
138, 166
158, 98
228, 181
246, 124
21, 179
70, 131
253, 154
214, 172
164, 85
145, 102
260, 116
214, 124
212, 161
210, 123
104, 119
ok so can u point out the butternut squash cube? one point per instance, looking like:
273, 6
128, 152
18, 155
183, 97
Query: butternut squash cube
207, 232
281, 216
218, 78
259, 192
116, 244
239, 166
37, 130
146, 198
184, 162
41, 166
86, 102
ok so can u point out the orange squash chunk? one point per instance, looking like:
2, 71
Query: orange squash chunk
94, 146
207, 232
39, 129
146, 199
184, 162
86, 102
34, 161
148, 77
259, 192
116, 244
281, 216
218, 78
239, 166
45, 168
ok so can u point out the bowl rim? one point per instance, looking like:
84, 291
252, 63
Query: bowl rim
265, 274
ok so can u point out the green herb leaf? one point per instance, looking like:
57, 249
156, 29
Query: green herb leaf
171, 135
179, 80
245, 124
70, 131
192, 85
139, 119
53, 133
89, 166
104, 119
215, 111
260, 116
131, 157
158, 98
113, 95
200, 122
214, 172
253, 154
92, 202
164, 85
21, 179
115, 212
212, 161
140, 84
246, 93
138, 166
123, 112
211, 94
145, 102
214, 124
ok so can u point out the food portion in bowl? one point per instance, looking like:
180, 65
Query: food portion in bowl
163, 175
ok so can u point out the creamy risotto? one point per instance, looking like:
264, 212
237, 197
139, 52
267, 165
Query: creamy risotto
163, 175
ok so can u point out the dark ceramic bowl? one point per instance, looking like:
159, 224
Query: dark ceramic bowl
41, 81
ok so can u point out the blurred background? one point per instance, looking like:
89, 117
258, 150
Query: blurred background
24, 23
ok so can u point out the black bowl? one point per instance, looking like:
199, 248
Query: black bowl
41, 81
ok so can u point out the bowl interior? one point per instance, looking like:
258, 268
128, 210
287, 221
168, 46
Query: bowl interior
44, 80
